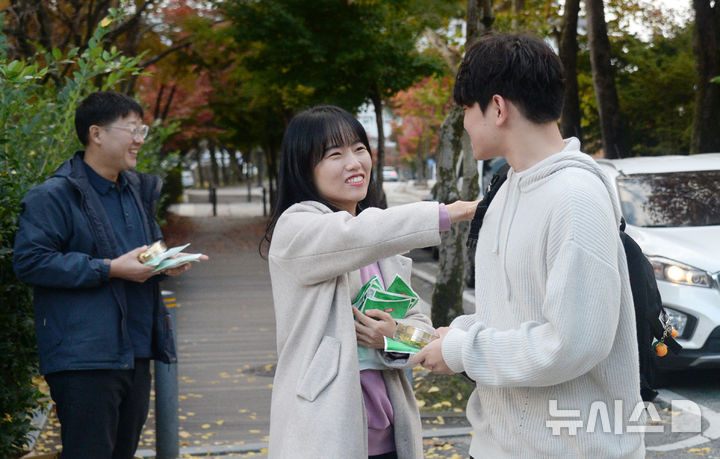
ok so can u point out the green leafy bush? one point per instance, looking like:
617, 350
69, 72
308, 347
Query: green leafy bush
37, 105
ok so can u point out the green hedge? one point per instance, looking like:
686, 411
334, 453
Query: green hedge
37, 105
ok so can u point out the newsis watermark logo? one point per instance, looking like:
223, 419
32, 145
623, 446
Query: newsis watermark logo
599, 417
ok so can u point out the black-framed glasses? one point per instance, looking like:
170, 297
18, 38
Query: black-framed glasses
136, 132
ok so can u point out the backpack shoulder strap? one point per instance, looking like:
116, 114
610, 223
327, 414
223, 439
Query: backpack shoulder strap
495, 183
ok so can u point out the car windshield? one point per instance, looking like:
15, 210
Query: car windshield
671, 199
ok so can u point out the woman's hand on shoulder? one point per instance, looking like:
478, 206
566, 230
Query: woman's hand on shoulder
461, 211
372, 326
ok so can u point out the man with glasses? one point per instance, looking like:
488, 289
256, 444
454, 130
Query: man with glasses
99, 315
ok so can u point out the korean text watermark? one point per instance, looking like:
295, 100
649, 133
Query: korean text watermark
644, 418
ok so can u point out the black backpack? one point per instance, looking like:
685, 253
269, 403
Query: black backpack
652, 321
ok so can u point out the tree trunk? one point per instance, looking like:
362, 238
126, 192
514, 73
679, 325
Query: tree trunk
214, 165
517, 7
706, 123
486, 20
260, 164
166, 110
422, 154
447, 302
570, 118
470, 191
376, 98
604, 81
272, 171
201, 174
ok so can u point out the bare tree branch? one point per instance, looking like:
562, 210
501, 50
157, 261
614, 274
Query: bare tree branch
130, 22
450, 56
156, 58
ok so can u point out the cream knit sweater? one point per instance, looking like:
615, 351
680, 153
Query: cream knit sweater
554, 319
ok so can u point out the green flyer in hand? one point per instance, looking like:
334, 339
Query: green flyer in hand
396, 308
396, 300
398, 285
164, 261
374, 282
396, 346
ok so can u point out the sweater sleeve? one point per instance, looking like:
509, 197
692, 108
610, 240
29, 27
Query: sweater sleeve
581, 310
39, 256
315, 246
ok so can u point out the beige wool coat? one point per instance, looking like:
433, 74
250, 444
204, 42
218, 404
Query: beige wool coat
317, 404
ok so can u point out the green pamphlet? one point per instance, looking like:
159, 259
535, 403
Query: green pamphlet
397, 300
392, 345
164, 261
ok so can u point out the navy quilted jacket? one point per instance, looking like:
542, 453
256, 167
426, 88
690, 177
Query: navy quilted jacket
61, 247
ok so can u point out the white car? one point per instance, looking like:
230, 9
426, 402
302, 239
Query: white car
672, 208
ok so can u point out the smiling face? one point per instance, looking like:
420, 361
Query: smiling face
343, 174
112, 148
121, 147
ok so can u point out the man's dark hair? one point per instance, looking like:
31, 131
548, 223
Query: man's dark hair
102, 108
520, 68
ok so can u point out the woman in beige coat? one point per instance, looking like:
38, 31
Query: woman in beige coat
336, 394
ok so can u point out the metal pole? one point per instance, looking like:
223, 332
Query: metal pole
249, 181
213, 199
166, 397
264, 204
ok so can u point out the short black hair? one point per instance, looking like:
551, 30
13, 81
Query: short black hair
306, 138
102, 108
519, 67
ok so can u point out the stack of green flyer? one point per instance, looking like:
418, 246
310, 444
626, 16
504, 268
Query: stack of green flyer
164, 261
396, 300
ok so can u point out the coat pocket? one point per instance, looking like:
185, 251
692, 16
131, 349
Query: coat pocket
322, 369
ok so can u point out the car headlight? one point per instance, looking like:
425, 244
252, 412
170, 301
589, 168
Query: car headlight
678, 273
677, 319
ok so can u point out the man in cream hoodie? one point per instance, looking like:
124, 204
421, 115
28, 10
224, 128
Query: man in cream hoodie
552, 344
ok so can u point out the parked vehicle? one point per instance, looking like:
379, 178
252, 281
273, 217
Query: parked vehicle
187, 179
672, 208
390, 174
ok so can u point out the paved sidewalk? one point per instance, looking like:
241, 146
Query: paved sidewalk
226, 337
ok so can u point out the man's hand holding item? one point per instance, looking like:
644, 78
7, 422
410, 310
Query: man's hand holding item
431, 357
128, 267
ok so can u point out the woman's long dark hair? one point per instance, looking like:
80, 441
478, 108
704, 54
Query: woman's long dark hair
306, 138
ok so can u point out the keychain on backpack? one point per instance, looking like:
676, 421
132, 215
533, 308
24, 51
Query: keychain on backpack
659, 346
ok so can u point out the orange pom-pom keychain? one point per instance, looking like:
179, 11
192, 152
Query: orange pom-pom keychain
660, 348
